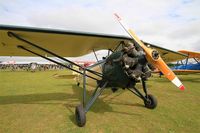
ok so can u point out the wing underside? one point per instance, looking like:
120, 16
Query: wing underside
66, 43
63, 43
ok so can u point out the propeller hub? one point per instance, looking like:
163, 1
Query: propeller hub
155, 54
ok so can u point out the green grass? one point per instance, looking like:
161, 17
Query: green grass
38, 103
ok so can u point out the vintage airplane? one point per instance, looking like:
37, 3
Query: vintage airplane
189, 65
107, 73
84, 63
186, 68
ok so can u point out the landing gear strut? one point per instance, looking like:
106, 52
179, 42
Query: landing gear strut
150, 101
82, 109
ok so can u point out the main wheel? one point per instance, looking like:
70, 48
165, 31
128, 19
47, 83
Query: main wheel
80, 115
151, 102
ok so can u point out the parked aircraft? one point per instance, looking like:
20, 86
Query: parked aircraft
112, 72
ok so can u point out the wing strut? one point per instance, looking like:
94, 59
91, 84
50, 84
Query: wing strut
11, 34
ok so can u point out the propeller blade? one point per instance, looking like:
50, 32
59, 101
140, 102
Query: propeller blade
153, 57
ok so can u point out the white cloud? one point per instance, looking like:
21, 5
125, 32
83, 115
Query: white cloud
173, 24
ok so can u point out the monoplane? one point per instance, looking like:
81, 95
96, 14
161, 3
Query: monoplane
107, 73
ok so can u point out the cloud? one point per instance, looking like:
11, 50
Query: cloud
173, 24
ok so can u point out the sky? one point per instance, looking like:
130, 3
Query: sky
173, 24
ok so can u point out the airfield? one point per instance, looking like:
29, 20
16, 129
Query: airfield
39, 103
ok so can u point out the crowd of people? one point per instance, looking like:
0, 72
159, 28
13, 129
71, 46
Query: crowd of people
30, 67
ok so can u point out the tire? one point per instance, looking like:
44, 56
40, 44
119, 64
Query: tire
151, 102
80, 115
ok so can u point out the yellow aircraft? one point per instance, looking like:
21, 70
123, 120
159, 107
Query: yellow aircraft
111, 72
186, 68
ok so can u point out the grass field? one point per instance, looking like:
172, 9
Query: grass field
38, 103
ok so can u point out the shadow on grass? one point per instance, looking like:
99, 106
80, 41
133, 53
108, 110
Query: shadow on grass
42, 98
101, 105
74, 97
34, 98
70, 101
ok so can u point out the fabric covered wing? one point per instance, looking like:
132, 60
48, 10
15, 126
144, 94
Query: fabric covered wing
166, 54
63, 43
66, 43
191, 54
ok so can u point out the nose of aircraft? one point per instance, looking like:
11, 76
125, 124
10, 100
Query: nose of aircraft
151, 54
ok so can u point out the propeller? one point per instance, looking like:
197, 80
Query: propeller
153, 56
